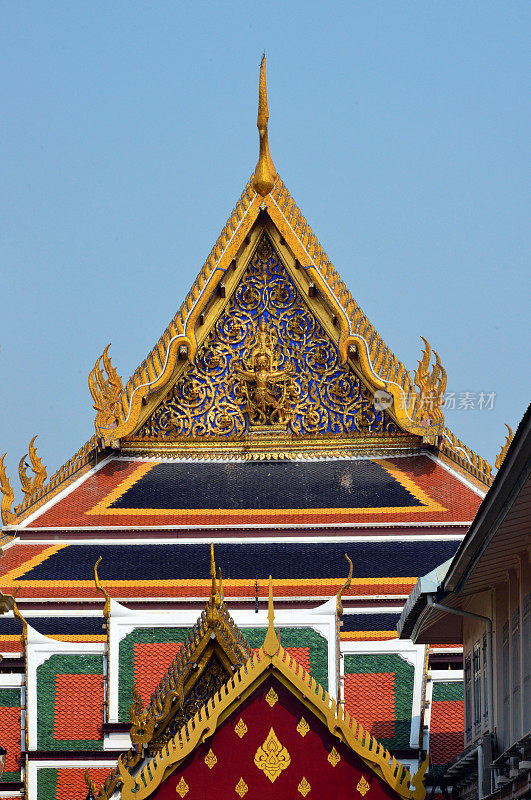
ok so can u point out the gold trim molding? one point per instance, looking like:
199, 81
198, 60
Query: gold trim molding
273, 446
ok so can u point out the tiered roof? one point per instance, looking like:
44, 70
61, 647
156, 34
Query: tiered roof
265, 206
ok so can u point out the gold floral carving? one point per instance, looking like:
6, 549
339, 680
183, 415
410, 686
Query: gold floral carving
333, 757
303, 727
267, 361
241, 787
304, 787
363, 786
211, 759
106, 392
240, 728
182, 787
271, 697
272, 757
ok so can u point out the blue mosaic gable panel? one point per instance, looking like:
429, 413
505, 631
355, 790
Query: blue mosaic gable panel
324, 396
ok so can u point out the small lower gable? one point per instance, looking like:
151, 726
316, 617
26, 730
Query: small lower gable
273, 746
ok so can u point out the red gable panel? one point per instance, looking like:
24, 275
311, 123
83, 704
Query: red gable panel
273, 746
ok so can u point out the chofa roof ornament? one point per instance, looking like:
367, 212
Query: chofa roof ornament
265, 173
503, 452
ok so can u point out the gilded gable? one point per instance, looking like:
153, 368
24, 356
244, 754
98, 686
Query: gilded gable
267, 362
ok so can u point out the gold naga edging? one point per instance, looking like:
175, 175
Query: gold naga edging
105, 391
89, 784
102, 590
503, 452
39, 470
346, 585
431, 386
84, 457
29, 486
203, 725
7, 495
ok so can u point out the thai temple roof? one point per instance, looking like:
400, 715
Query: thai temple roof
272, 420
266, 243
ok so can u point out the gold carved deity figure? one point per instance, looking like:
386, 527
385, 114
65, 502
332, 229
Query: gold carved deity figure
269, 392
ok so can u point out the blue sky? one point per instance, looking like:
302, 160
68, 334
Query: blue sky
129, 131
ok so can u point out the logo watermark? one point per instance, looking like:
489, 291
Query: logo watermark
450, 401
382, 400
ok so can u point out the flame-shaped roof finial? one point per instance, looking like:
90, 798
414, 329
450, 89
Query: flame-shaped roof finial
214, 601
271, 643
265, 173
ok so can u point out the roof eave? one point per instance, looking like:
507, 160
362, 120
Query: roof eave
417, 601
494, 506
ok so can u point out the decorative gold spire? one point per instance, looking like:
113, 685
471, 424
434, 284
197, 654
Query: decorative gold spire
503, 452
39, 470
105, 593
8, 495
265, 173
214, 601
346, 585
271, 643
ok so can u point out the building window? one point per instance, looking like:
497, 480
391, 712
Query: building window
485, 681
468, 698
526, 639
515, 671
476, 665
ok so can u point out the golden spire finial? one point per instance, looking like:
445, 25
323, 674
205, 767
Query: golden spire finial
214, 590
105, 593
265, 173
214, 601
271, 643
